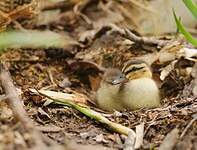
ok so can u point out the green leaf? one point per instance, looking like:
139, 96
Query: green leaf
182, 29
34, 39
191, 6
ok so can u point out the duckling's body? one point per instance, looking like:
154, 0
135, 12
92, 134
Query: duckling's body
132, 88
141, 93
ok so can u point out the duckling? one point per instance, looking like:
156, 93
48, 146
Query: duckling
132, 88
109, 95
141, 91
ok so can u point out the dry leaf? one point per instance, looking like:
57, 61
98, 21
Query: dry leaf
76, 97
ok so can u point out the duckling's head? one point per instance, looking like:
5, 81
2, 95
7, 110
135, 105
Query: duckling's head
135, 69
114, 77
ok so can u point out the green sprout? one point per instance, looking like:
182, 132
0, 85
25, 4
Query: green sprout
193, 8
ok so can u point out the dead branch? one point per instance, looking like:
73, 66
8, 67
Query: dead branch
59, 5
81, 6
142, 40
124, 32
17, 107
188, 126
12, 98
129, 142
170, 140
139, 135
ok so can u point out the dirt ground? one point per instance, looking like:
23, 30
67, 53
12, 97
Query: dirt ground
79, 68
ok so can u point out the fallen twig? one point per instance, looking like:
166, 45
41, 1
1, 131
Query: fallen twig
59, 5
170, 140
140, 5
129, 143
19, 112
92, 114
188, 126
152, 122
143, 40
139, 135
112, 28
81, 6
49, 129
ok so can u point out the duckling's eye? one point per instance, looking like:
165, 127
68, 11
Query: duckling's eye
122, 76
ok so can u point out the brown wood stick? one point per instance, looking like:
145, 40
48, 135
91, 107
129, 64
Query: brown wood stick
17, 107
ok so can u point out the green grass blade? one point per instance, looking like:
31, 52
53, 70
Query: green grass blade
182, 29
191, 6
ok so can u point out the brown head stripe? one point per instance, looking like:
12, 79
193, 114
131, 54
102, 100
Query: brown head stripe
132, 62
